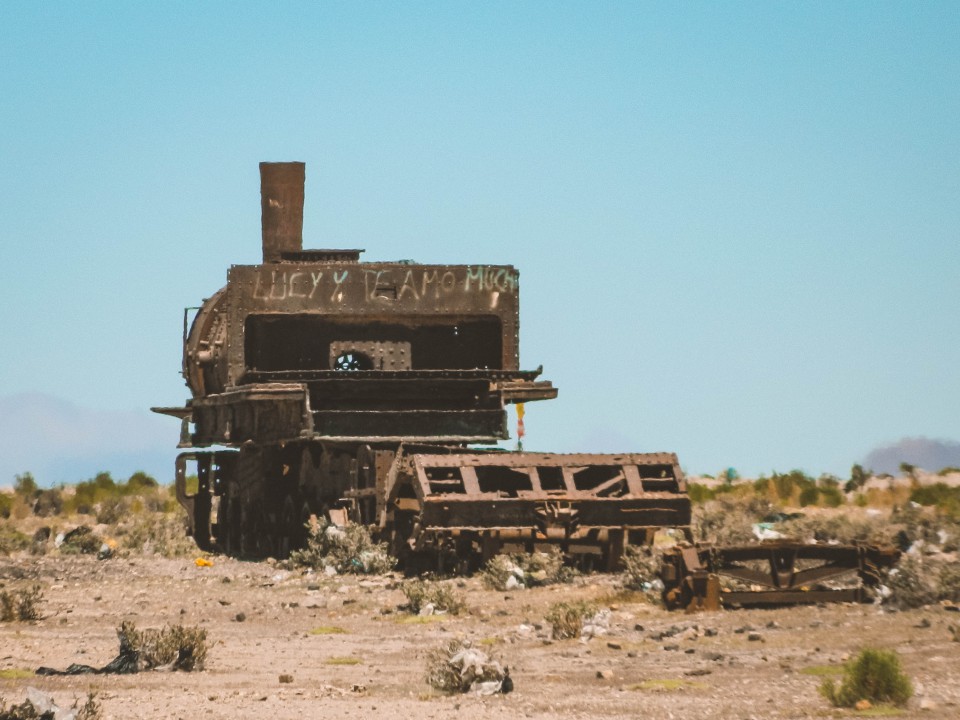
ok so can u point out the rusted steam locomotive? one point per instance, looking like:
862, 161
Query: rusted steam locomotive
364, 392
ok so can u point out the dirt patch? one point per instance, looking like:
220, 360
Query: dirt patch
344, 649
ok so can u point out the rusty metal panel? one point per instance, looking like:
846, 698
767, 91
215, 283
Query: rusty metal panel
381, 294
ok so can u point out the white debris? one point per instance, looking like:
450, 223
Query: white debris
595, 626
513, 584
428, 609
763, 531
45, 706
335, 533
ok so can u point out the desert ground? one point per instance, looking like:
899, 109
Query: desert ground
349, 651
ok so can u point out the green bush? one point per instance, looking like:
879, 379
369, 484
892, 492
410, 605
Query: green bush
831, 497
874, 675
699, 493
81, 541
6, 504
940, 495
25, 486
566, 619
809, 495
441, 596
858, 478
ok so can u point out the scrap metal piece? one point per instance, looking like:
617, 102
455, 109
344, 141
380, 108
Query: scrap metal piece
775, 572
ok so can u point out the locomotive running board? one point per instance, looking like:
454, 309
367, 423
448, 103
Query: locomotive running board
577, 501
778, 572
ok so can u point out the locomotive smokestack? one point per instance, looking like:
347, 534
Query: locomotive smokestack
281, 207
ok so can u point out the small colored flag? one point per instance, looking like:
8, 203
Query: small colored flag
521, 431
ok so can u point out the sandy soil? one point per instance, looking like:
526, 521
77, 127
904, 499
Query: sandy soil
375, 666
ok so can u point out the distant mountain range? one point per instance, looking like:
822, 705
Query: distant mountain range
60, 442
931, 455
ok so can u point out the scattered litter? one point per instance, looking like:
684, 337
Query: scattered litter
595, 626
460, 667
765, 531
202, 562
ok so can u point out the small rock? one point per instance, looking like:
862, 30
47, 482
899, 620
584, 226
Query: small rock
614, 645
671, 648
690, 651
698, 672
631, 654
754, 637
927, 704
863, 705
240, 617
638, 627
711, 632
604, 674
286, 679
714, 656
924, 623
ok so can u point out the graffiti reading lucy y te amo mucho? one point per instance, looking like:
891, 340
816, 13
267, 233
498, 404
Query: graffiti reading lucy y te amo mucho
385, 284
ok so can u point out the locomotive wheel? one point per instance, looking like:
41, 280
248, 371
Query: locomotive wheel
229, 519
253, 537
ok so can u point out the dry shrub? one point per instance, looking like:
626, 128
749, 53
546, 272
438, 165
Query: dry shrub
20, 605
456, 666
348, 549
163, 534
112, 510
441, 596
566, 618
874, 675
949, 582
90, 710
917, 523
729, 519
917, 581
837, 527
641, 567
183, 648
12, 540
535, 569
81, 541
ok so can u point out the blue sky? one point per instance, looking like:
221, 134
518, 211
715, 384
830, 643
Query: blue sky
736, 223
